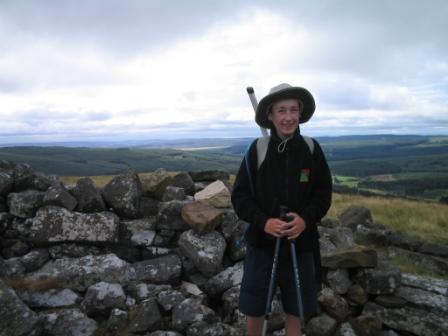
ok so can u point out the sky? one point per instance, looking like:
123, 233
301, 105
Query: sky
94, 70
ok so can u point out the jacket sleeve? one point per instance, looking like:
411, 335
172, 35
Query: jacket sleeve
322, 188
243, 200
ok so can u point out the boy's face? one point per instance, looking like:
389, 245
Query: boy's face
285, 115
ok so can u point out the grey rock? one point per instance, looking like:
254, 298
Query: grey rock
164, 333
12, 268
170, 298
433, 249
145, 317
15, 317
52, 298
188, 312
25, 204
424, 300
212, 329
17, 249
345, 329
341, 237
88, 196
148, 207
169, 216
102, 297
322, 325
25, 178
406, 319
58, 195
224, 280
123, 194
205, 251
5, 220
390, 301
339, 280
117, 322
56, 224
154, 184
333, 304
6, 182
172, 193
437, 286
184, 181
383, 280
35, 259
229, 223
67, 322
356, 215
80, 273
162, 270
71, 250
152, 252
366, 325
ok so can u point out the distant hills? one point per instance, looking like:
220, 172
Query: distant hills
403, 165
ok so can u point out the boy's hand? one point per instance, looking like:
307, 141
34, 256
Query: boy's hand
279, 228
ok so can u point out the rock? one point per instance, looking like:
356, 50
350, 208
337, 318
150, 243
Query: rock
229, 223
345, 330
35, 259
6, 182
205, 251
215, 194
224, 280
190, 289
437, 286
202, 218
209, 175
5, 220
424, 300
88, 196
70, 250
164, 333
52, 298
123, 194
25, 178
330, 223
149, 207
154, 184
15, 317
357, 295
406, 319
169, 216
339, 280
55, 224
145, 317
214, 329
322, 325
102, 297
12, 268
173, 193
354, 257
188, 312
117, 322
341, 237
25, 204
162, 270
59, 196
170, 298
17, 249
333, 304
152, 252
383, 280
356, 215
80, 273
366, 325
433, 249
183, 180
390, 301
67, 322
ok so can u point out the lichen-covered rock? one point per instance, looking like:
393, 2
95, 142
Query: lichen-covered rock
67, 322
422, 299
341, 237
117, 322
6, 182
145, 317
52, 298
170, 298
188, 312
224, 280
366, 325
357, 295
215, 194
56, 224
172, 193
25, 178
321, 325
202, 218
212, 329
88, 196
205, 251
35, 259
162, 270
80, 273
437, 286
339, 280
354, 257
59, 196
102, 297
15, 317
24, 204
378, 281
333, 304
169, 216
123, 194
356, 215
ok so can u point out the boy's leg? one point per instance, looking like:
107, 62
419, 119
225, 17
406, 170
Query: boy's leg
292, 325
254, 325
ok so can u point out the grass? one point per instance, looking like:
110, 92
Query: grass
418, 219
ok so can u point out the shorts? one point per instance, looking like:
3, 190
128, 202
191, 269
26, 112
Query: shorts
257, 274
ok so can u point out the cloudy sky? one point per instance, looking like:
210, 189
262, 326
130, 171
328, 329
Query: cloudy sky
121, 70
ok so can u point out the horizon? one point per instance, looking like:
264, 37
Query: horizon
110, 70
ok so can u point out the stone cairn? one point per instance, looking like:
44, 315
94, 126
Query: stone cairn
161, 255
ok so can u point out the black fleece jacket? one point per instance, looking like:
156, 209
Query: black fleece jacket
294, 178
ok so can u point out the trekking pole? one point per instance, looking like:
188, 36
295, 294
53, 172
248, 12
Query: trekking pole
253, 100
297, 281
268, 310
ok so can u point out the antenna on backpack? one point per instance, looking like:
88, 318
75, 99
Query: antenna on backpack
253, 100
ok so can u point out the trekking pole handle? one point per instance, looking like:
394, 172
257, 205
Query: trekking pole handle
253, 100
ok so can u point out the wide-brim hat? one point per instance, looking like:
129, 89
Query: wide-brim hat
284, 91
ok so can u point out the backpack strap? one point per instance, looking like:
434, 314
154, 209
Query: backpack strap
262, 147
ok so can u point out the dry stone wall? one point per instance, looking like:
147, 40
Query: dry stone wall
163, 255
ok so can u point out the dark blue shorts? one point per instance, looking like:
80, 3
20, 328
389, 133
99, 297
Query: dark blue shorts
257, 274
